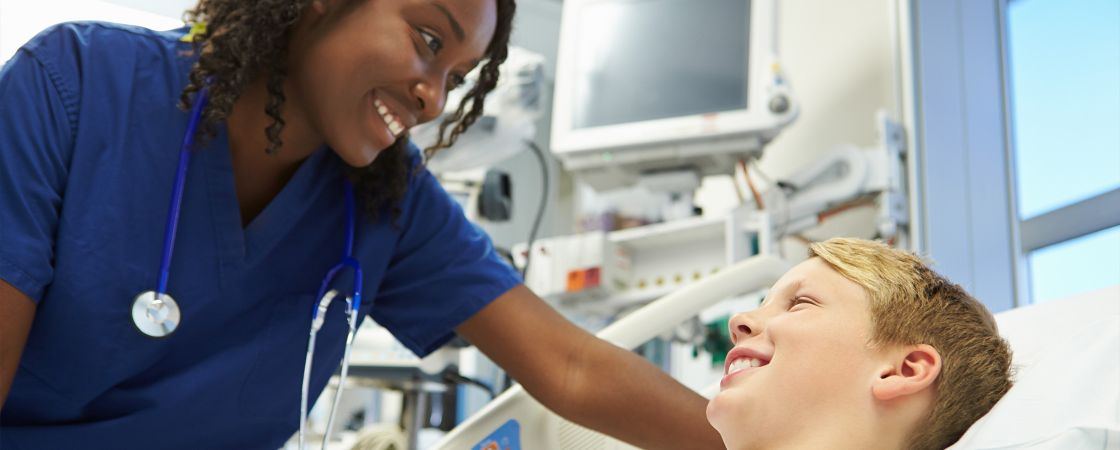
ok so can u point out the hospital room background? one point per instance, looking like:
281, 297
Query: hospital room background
983, 134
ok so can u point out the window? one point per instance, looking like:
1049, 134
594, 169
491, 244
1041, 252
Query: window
1095, 261
1064, 72
1065, 87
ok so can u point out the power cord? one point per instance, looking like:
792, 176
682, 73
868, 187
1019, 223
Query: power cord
540, 210
450, 375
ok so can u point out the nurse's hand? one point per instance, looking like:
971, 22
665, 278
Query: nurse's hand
16, 312
587, 380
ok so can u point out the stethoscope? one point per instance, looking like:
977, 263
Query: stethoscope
156, 314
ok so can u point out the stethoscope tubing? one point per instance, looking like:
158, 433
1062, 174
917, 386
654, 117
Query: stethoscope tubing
347, 259
176, 207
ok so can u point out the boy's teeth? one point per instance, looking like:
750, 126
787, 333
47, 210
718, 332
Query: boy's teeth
743, 363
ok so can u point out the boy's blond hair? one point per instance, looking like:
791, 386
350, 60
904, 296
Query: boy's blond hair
912, 304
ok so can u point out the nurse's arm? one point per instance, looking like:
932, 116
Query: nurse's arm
16, 312
587, 380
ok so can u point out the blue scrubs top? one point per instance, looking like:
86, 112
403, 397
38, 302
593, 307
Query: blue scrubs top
89, 139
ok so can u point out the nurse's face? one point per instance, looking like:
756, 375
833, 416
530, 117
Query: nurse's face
810, 337
363, 77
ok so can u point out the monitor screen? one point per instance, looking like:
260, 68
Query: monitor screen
639, 60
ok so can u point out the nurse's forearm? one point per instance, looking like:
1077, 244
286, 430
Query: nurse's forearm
16, 313
618, 390
585, 379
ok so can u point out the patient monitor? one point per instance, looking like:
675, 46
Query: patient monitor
648, 86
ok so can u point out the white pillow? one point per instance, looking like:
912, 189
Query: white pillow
1067, 385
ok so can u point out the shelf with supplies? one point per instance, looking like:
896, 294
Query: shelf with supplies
607, 271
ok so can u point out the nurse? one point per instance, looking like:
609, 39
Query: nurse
305, 98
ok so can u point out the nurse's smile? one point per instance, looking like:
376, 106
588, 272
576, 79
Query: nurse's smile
386, 120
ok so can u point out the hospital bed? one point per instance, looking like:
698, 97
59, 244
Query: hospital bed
1066, 356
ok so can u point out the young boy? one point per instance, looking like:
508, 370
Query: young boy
861, 346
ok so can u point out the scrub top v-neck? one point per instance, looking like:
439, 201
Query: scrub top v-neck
88, 146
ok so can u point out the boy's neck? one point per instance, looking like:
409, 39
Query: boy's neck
841, 434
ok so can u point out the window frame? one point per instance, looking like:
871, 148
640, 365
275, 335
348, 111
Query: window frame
954, 73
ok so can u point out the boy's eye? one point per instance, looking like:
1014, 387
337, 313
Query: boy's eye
431, 41
798, 301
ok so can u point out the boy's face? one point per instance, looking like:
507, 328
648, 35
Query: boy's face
810, 338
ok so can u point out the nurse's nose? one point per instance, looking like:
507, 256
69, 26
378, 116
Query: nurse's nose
743, 325
431, 95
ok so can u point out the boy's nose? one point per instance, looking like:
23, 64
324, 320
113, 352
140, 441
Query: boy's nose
742, 325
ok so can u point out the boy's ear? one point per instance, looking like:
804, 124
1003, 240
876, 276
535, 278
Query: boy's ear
907, 370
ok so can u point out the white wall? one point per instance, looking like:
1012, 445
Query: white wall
839, 59
20, 20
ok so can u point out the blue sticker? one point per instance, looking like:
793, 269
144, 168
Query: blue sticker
506, 437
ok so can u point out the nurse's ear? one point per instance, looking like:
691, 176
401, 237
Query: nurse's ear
316, 15
321, 9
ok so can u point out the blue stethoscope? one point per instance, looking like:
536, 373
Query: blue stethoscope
156, 314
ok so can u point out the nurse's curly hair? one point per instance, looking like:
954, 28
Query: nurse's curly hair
242, 37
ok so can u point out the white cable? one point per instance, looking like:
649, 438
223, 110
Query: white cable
316, 323
303, 391
352, 319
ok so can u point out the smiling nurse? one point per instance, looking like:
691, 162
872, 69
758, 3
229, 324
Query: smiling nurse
299, 103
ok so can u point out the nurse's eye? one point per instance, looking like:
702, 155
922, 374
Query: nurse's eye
435, 44
455, 81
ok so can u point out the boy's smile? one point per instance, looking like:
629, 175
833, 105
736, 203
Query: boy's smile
741, 360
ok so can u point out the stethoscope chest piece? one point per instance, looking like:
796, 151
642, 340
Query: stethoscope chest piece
155, 315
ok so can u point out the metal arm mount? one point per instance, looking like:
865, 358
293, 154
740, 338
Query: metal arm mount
847, 173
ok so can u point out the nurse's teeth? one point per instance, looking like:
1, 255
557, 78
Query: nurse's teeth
391, 120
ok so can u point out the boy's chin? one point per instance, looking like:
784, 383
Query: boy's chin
720, 411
